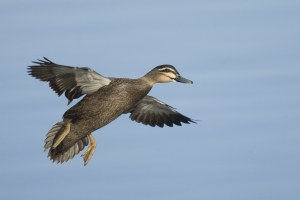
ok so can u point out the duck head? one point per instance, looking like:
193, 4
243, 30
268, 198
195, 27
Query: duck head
164, 74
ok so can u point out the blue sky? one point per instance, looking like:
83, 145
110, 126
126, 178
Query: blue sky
244, 59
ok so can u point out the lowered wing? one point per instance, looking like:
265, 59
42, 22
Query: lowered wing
151, 111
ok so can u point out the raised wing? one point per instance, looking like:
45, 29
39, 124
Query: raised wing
151, 111
74, 81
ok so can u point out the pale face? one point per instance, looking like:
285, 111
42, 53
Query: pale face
167, 74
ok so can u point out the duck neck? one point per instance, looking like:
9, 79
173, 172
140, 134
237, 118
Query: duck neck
149, 78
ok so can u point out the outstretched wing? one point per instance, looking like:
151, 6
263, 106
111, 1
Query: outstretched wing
74, 81
151, 111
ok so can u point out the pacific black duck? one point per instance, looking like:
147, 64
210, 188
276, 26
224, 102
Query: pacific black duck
105, 100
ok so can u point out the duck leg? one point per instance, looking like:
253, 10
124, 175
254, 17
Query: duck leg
87, 155
62, 133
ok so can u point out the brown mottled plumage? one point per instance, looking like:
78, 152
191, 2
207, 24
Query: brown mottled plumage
100, 108
106, 99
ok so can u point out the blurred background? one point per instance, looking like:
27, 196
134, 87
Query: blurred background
243, 57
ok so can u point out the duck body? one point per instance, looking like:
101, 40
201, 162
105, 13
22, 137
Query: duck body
106, 99
102, 107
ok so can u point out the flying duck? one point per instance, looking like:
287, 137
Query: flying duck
105, 100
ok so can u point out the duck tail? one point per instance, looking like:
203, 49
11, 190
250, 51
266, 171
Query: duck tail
55, 140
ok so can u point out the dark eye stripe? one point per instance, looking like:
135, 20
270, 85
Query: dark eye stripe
167, 70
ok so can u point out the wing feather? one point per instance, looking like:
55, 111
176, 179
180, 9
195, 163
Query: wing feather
74, 81
151, 111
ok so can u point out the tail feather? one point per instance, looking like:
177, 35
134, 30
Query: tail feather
51, 134
58, 155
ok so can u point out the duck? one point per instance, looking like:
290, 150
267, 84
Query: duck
105, 99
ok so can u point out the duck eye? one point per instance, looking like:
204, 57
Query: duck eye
166, 70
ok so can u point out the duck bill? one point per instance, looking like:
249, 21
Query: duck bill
183, 80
